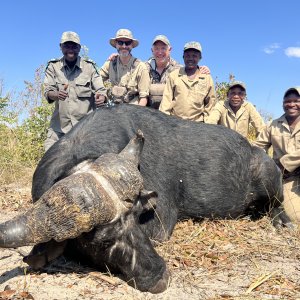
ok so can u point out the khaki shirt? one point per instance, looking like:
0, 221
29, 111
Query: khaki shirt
134, 77
188, 99
222, 114
83, 82
286, 144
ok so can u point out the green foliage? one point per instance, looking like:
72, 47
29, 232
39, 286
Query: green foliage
222, 88
33, 132
23, 128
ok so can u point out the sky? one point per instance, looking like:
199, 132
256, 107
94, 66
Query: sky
257, 41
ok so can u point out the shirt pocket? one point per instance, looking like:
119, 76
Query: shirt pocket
61, 83
83, 87
198, 93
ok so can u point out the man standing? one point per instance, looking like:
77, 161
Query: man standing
160, 66
75, 86
284, 135
128, 76
189, 94
236, 113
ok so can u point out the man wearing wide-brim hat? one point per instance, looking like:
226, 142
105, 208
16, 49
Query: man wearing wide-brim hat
74, 85
284, 135
236, 112
127, 75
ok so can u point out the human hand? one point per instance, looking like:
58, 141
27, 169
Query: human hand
99, 99
113, 56
204, 70
62, 95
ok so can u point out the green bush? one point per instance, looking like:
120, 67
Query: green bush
24, 121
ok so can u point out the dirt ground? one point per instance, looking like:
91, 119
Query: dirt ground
232, 259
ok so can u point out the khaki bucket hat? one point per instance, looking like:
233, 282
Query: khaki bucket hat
124, 34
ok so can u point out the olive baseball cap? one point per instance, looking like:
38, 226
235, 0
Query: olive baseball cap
161, 38
192, 45
235, 83
70, 36
292, 89
125, 34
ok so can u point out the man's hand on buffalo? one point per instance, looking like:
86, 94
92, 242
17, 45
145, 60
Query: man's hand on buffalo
99, 99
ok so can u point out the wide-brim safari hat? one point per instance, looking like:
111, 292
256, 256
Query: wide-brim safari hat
124, 34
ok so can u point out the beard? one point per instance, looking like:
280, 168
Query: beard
123, 53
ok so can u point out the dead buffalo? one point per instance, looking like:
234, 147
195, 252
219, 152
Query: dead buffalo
198, 170
91, 215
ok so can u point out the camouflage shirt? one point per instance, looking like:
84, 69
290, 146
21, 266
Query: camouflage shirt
155, 77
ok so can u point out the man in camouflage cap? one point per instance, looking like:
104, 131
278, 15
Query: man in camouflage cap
189, 94
160, 65
284, 135
236, 113
127, 75
74, 85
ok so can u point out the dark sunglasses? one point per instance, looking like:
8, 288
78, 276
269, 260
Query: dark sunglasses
121, 43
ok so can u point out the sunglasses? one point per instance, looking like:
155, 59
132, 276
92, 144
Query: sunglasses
121, 43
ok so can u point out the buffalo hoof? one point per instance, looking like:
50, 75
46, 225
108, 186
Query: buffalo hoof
162, 284
281, 219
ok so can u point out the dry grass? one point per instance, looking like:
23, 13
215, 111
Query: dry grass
221, 259
251, 256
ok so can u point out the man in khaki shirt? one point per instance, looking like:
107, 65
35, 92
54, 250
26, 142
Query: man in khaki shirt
284, 135
188, 93
160, 65
127, 75
236, 113
74, 85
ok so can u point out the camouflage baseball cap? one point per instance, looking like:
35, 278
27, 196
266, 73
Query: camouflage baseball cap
161, 38
124, 34
192, 45
70, 36
292, 89
235, 83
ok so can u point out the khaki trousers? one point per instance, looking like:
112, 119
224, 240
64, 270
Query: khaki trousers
291, 196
